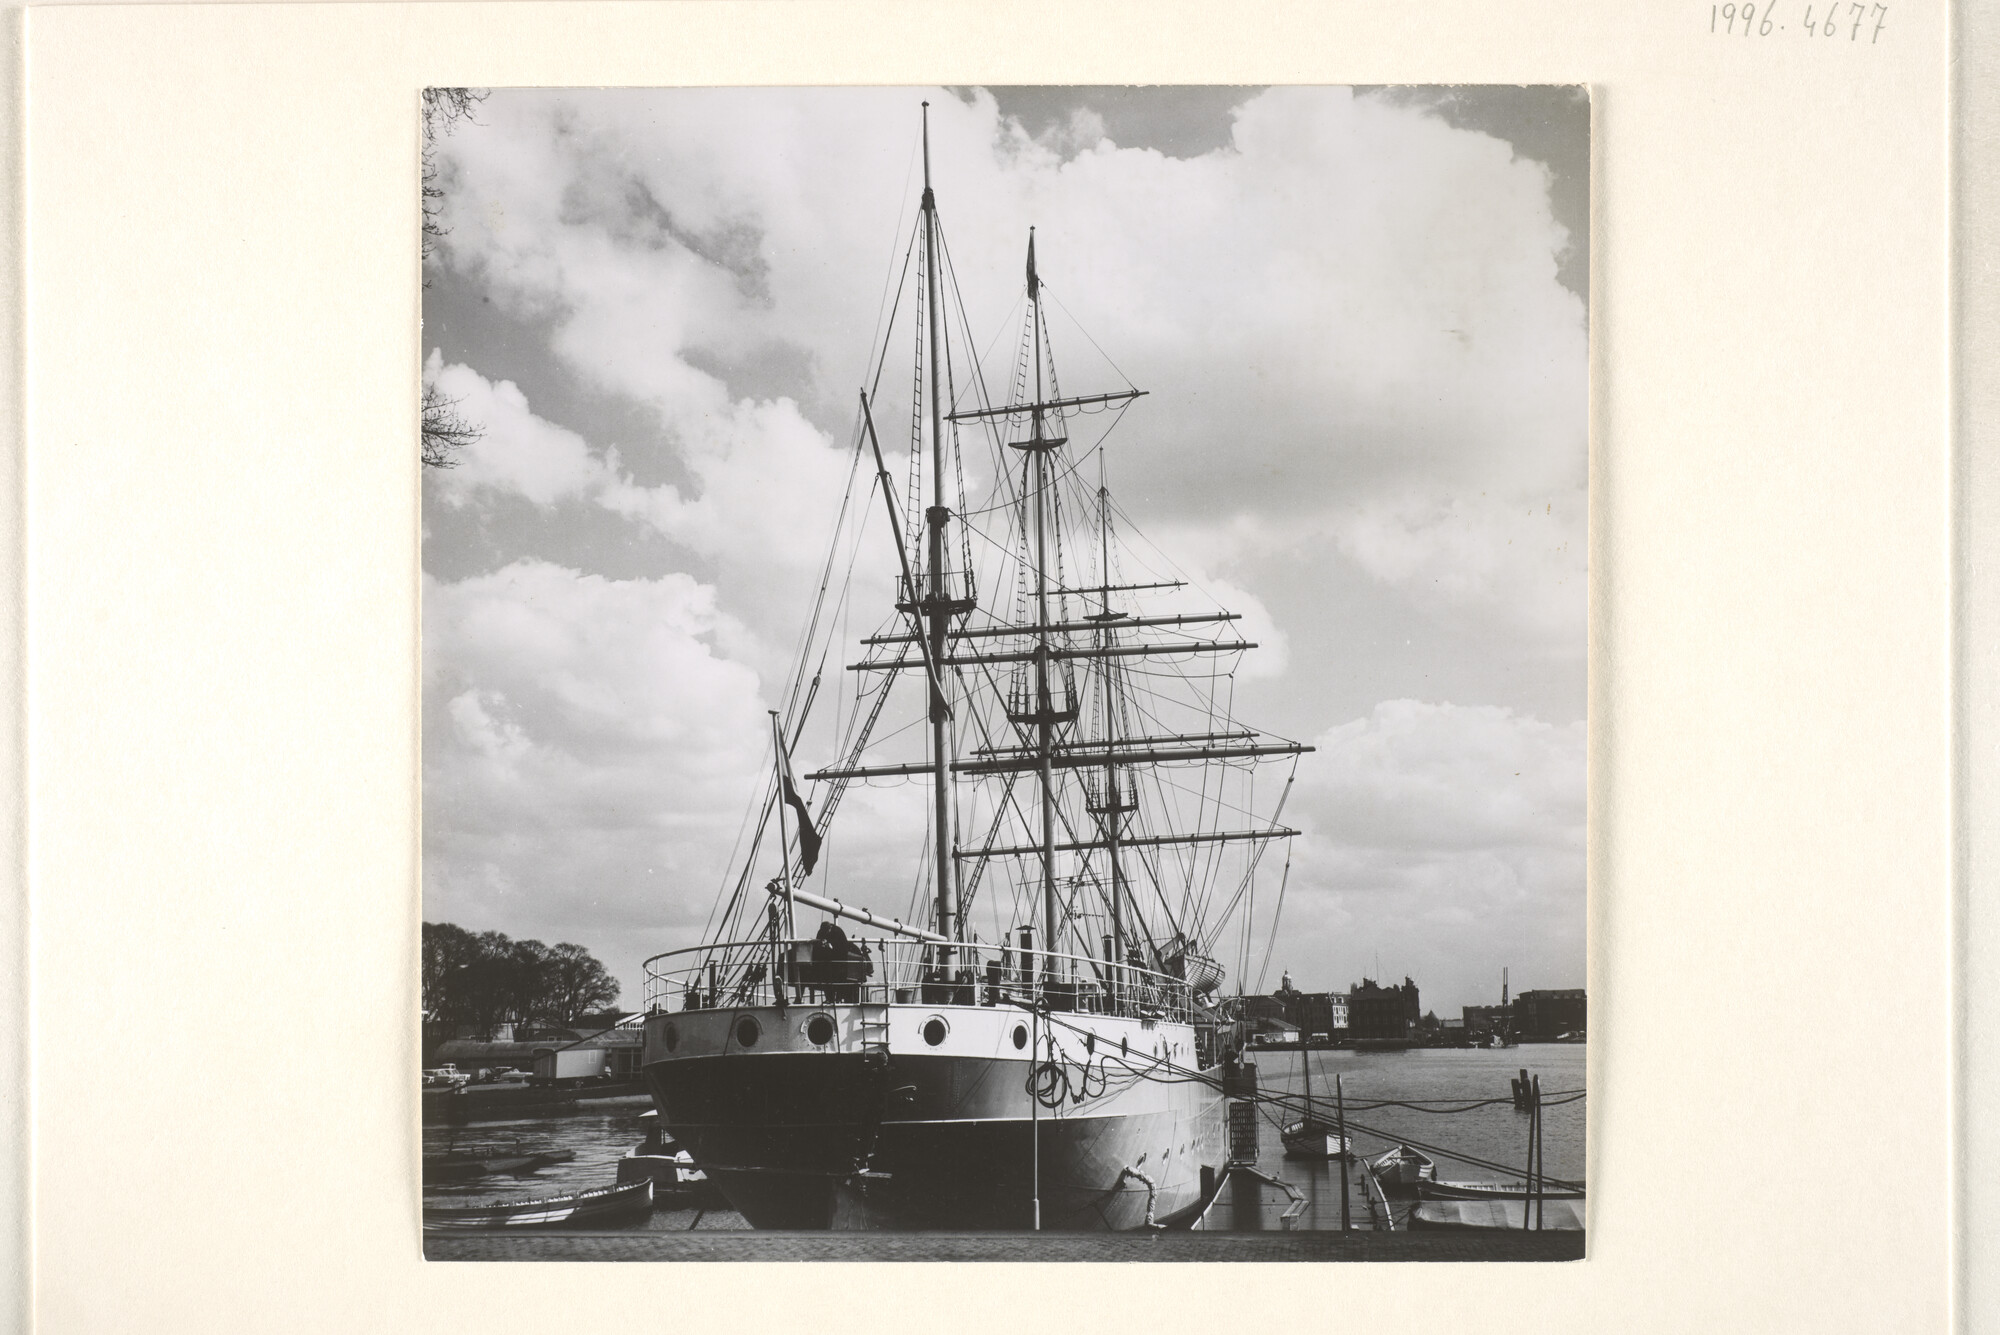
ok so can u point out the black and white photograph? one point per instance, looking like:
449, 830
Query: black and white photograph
1004, 672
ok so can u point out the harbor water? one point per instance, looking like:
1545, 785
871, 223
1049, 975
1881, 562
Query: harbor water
1496, 1132
599, 1135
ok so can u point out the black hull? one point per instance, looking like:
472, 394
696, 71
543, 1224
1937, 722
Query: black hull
863, 1141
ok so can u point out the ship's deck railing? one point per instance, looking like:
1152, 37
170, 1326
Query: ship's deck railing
901, 970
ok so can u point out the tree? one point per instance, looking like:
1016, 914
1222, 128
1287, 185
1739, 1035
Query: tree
444, 108
444, 430
485, 979
577, 982
448, 950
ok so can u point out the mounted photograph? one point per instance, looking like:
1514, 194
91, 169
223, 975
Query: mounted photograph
1004, 672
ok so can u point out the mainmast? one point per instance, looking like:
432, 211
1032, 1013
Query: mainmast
938, 604
1039, 446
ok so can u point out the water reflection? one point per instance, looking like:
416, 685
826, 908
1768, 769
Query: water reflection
598, 1138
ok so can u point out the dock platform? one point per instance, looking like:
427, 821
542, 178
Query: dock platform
1481, 1245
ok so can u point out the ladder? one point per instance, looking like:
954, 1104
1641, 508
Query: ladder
871, 1024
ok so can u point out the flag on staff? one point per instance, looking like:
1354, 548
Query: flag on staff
1034, 283
808, 836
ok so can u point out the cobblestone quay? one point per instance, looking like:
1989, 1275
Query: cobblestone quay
771, 1246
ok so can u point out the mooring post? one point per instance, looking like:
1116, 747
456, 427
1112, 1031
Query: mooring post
1528, 1183
1340, 1130
1541, 1155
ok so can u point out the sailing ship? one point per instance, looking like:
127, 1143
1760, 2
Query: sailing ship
1036, 1040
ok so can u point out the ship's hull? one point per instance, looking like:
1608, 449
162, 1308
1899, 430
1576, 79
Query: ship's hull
879, 1129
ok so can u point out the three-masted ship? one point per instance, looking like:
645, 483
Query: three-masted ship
1025, 1031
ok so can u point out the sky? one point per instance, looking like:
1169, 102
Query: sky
1360, 317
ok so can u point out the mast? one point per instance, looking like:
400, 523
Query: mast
938, 612
780, 930
1113, 817
784, 826
1044, 704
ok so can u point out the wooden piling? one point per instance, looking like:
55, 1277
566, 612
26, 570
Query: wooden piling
1528, 1185
1345, 1160
1541, 1162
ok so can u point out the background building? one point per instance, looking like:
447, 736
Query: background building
1550, 1014
1312, 1012
1377, 1013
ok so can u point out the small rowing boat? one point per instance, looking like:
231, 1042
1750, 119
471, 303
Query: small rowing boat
597, 1208
1495, 1191
1553, 1215
1405, 1167
1314, 1139
463, 1167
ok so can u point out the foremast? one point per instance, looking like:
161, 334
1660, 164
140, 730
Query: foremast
937, 607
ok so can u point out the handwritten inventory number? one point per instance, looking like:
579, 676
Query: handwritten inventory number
1819, 23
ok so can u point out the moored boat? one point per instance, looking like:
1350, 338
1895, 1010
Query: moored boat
1315, 1139
672, 1169
1562, 1215
1489, 1191
1312, 1136
465, 1167
600, 1207
1404, 1168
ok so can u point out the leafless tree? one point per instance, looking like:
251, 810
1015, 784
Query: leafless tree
444, 108
445, 431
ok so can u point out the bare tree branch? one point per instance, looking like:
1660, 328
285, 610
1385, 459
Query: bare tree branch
443, 109
444, 430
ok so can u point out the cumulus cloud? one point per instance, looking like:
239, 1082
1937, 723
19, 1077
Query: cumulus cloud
517, 453
1499, 560
585, 748
1352, 303
1453, 833
1357, 351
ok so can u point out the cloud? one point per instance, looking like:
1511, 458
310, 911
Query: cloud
758, 510
1455, 834
1357, 351
517, 453
1351, 302
586, 750
1505, 561
1443, 777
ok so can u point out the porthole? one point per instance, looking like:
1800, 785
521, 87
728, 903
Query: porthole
1090, 1043
1020, 1036
1124, 1047
819, 1030
670, 1036
748, 1031
935, 1029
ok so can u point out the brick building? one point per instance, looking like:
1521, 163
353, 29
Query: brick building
1377, 1013
1551, 1013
